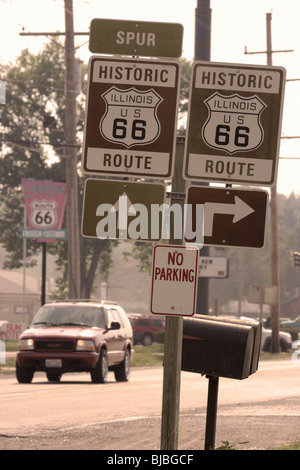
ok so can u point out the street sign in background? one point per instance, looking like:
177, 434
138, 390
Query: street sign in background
45, 202
11, 330
232, 217
261, 294
213, 267
131, 117
174, 280
135, 38
234, 123
45, 234
122, 210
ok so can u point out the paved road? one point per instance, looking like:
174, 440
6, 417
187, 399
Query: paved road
257, 412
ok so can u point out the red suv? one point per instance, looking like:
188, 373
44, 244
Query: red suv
76, 336
144, 328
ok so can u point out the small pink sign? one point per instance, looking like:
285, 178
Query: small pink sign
45, 203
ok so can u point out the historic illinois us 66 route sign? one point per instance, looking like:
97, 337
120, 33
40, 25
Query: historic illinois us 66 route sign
234, 123
131, 117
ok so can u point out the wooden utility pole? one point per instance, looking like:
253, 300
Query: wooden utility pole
202, 52
70, 149
274, 216
274, 228
71, 158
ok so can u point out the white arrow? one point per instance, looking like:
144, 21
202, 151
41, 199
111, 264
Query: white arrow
124, 208
239, 209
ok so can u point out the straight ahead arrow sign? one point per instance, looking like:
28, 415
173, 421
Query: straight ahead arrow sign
239, 209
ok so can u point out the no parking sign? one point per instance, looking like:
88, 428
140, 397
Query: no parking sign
174, 280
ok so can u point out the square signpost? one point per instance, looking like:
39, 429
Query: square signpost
130, 131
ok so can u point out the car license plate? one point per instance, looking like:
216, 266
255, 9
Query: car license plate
53, 363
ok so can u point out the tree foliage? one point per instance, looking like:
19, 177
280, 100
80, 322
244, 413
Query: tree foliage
32, 144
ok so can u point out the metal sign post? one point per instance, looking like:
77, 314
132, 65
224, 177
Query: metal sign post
173, 344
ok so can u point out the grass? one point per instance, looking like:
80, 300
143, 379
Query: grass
148, 355
295, 446
265, 356
11, 345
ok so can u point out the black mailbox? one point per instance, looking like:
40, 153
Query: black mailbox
220, 348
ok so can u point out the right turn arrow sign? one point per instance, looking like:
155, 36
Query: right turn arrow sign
232, 217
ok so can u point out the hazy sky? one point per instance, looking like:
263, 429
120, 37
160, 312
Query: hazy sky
235, 24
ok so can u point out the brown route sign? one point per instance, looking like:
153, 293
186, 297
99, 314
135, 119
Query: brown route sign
122, 210
234, 123
135, 38
131, 117
232, 217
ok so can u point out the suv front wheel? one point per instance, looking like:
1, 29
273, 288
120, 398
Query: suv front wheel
99, 374
24, 374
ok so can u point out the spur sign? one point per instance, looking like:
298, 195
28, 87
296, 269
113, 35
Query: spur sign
131, 117
234, 123
135, 38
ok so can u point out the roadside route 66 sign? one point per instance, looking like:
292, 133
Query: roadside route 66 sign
131, 117
234, 123
43, 213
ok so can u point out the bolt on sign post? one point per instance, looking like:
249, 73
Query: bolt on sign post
131, 117
234, 123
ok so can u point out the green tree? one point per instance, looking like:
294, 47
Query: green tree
32, 138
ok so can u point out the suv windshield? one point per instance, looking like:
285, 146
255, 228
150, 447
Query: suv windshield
70, 315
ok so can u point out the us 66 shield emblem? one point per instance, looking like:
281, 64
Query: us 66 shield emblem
233, 124
131, 116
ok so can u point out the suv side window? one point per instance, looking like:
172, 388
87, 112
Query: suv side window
142, 322
117, 317
110, 317
156, 323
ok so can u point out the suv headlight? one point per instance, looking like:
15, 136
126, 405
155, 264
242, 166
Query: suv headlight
26, 344
85, 345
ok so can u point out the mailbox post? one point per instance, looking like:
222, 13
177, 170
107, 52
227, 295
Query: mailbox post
219, 348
